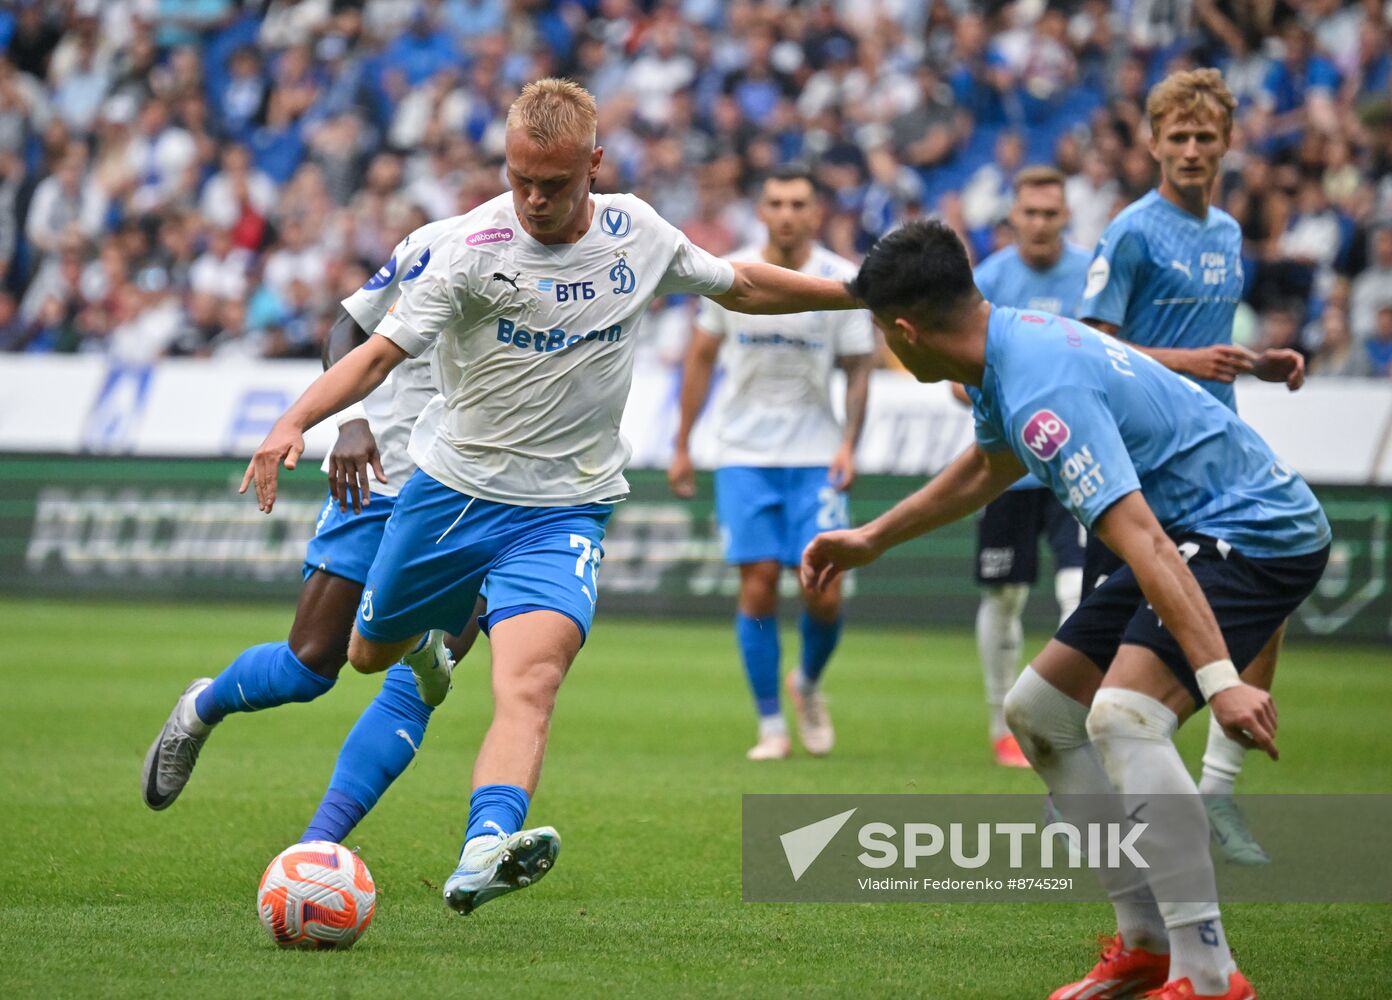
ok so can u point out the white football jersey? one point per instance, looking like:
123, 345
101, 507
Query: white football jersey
774, 406
534, 347
392, 408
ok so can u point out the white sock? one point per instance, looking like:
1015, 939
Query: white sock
999, 636
1052, 730
190, 720
772, 725
1132, 732
1222, 761
1068, 591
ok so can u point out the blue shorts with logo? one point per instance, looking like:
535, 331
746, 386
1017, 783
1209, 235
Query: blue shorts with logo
345, 543
770, 514
440, 546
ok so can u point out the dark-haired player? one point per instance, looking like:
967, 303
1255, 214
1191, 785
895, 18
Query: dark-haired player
1167, 277
1221, 543
786, 462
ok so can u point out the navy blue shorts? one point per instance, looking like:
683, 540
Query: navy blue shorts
345, 543
440, 546
1007, 537
1099, 562
770, 514
1250, 598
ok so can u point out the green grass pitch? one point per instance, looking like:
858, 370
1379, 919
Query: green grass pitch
101, 898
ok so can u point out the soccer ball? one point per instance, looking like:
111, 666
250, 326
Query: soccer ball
316, 895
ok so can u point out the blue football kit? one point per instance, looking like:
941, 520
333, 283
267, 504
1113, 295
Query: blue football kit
1007, 533
1096, 420
1168, 279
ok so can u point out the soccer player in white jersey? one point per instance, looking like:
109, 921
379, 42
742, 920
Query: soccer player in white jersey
533, 308
786, 462
366, 467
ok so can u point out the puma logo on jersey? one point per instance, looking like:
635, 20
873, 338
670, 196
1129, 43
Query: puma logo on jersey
500, 276
1183, 268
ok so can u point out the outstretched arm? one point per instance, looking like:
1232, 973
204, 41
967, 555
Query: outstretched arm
857, 368
973, 479
767, 289
1215, 363
361, 371
1130, 530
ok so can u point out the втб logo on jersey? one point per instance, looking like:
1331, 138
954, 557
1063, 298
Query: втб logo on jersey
615, 222
1044, 434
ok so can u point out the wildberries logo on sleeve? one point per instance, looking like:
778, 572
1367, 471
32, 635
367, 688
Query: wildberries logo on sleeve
1044, 434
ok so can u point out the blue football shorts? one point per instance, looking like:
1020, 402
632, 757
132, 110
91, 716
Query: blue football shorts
770, 514
1250, 598
440, 546
345, 543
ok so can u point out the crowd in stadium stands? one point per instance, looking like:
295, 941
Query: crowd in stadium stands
209, 178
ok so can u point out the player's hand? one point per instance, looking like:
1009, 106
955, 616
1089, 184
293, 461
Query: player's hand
1220, 362
285, 444
353, 453
1248, 715
842, 472
681, 475
832, 553
1281, 364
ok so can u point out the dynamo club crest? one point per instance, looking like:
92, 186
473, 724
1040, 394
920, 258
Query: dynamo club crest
615, 222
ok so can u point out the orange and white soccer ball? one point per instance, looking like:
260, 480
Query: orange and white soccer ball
316, 895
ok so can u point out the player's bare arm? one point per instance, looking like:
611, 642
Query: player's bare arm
973, 479
767, 289
349, 381
697, 369
1130, 530
1215, 363
355, 450
857, 367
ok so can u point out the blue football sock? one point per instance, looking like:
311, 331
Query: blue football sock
262, 677
496, 809
758, 643
379, 748
819, 641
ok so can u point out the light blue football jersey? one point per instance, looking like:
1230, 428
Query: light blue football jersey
1095, 419
1006, 280
1168, 279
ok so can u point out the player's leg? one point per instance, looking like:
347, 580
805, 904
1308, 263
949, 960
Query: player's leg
1222, 763
749, 506
1006, 566
542, 592
1047, 710
813, 505
380, 746
1149, 690
299, 669
1068, 542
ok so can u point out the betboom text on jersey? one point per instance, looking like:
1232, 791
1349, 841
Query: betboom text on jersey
546, 341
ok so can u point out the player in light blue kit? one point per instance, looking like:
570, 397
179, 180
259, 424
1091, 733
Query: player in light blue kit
1167, 277
1221, 543
367, 465
786, 463
532, 307
1039, 271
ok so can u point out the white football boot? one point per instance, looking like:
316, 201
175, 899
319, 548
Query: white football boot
170, 759
813, 720
433, 666
492, 865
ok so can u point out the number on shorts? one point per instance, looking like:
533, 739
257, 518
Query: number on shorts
589, 555
831, 512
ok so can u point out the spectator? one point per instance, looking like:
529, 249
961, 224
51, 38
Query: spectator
1380, 343
1339, 356
1372, 290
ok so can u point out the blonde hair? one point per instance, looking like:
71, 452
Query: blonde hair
554, 111
1038, 176
1191, 95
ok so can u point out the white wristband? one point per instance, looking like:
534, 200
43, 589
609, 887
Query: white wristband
354, 412
1217, 676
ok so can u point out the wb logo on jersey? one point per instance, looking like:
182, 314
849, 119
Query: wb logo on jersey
625, 281
615, 222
